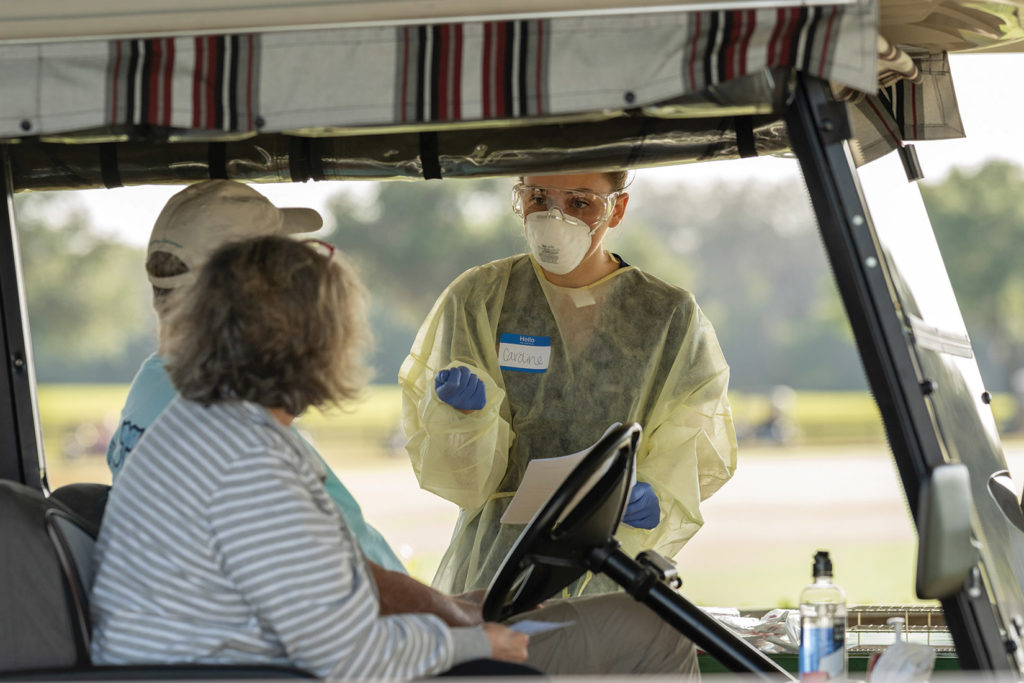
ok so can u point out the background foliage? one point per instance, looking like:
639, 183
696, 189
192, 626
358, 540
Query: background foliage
978, 217
750, 253
88, 303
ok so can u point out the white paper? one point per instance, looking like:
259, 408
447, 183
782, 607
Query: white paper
543, 477
532, 626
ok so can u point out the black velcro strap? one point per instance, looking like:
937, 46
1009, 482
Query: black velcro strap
745, 136
217, 160
317, 147
298, 159
428, 156
637, 149
110, 173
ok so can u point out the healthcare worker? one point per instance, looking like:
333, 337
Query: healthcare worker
535, 355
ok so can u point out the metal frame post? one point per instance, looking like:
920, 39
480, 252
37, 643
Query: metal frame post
20, 434
818, 131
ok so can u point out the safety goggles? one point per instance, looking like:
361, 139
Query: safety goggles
589, 207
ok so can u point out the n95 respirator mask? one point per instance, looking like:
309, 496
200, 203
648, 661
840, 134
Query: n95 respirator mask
558, 241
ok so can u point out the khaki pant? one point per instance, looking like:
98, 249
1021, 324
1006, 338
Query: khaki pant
610, 634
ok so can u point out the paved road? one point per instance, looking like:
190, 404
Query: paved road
760, 531
785, 490
779, 507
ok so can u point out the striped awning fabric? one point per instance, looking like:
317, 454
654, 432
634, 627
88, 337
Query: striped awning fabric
421, 75
920, 106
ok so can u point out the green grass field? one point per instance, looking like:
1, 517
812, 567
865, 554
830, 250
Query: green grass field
367, 426
820, 417
760, 531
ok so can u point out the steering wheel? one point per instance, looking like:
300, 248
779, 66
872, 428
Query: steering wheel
574, 532
583, 513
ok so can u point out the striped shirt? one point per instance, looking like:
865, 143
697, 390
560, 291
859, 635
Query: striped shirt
220, 545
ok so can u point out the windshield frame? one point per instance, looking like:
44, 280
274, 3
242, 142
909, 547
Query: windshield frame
819, 133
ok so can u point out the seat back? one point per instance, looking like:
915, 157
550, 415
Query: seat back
73, 522
46, 574
74, 542
87, 501
37, 629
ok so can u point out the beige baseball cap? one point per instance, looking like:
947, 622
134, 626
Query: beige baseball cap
208, 214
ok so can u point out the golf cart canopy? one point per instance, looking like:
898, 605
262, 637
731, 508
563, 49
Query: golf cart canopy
454, 93
287, 92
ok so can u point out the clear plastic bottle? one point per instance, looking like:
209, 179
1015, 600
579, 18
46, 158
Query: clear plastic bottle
822, 625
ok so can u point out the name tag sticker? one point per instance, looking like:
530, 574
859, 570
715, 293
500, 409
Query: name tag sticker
524, 352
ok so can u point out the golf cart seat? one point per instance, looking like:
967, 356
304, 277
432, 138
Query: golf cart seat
87, 501
44, 622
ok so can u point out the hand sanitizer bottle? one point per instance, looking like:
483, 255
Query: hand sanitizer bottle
822, 625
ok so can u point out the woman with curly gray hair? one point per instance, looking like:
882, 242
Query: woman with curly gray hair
272, 321
219, 543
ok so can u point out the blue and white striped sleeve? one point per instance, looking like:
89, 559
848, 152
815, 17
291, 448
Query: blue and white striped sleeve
306, 580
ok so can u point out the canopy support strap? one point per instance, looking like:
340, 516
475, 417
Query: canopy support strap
110, 172
429, 156
745, 136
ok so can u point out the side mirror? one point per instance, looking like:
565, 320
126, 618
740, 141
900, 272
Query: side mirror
946, 549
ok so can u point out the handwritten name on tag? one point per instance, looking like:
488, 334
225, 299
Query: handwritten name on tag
524, 352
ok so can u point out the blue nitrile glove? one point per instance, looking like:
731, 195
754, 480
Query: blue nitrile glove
460, 388
642, 510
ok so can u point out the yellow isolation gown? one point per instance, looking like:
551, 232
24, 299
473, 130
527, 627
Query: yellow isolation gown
627, 348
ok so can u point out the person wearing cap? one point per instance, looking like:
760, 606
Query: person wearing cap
191, 226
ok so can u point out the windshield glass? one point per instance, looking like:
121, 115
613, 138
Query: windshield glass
810, 436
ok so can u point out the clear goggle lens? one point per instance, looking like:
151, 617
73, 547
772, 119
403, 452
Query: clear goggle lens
589, 207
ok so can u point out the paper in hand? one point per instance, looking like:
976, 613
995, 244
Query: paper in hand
541, 479
533, 626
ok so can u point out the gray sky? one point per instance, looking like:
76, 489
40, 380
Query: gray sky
989, 108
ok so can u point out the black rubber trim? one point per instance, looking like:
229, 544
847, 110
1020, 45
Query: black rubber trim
428, 156
109, 170
745, 136
217, 160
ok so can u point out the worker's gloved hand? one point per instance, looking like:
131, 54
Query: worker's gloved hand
642, 510
460, 388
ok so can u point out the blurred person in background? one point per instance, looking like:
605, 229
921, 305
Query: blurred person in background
1016, 423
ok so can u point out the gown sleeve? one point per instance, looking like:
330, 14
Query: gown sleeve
460, 457
688, 450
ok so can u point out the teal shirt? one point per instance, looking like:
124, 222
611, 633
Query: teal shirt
152, 391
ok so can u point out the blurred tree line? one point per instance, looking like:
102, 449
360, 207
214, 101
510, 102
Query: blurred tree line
87, 294
749, 252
